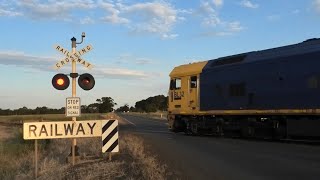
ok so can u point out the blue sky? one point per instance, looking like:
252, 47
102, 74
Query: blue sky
135, 43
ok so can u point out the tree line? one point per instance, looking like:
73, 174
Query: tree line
102, 105
151, 104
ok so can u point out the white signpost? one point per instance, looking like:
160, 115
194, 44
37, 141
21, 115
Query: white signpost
73, 107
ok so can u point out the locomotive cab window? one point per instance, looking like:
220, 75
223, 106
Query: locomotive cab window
193, 81
175, 84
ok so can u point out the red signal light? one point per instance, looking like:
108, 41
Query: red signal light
60, 81
86, 81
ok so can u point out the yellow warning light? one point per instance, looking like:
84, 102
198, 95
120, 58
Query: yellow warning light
60, 81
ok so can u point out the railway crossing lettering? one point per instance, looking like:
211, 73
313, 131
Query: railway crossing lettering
76, 56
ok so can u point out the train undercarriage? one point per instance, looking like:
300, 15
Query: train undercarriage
271, 127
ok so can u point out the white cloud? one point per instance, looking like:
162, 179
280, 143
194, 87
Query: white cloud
21, 59
211, 20
120, 73
131, 59
214, 33
205, 7
249, 4
9, 13
113, 16
169, 36
216, 25
41, 63
316, 5
217, 3
235, 26
87, 20
153, 18
53, 9
142, 61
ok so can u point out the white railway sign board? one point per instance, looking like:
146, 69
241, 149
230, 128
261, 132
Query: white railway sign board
73, 56
73, 107
61, 129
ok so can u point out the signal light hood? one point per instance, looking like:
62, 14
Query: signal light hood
86, 81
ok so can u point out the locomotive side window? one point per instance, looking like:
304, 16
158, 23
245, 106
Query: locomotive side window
178, 83
193, 81
175, 84
237, 89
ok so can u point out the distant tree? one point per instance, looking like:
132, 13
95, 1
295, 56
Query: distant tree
152, 104
93, 108
132, 109
124, 108
84, 109
105, 104
23, 110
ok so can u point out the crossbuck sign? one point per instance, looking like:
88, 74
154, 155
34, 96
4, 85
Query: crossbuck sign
73, 57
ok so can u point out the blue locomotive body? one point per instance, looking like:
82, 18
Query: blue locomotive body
282, 78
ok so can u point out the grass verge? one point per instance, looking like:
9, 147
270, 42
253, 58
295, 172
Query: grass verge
133, 161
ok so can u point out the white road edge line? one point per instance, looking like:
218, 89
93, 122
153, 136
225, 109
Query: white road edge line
129, 122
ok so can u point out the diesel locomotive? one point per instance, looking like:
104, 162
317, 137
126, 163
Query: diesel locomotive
269, 93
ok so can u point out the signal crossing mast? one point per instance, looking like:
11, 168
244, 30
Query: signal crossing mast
61, 82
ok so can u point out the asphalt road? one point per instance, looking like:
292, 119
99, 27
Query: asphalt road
194, 157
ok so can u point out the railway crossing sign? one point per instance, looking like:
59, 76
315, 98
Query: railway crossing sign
73, 107
73, 56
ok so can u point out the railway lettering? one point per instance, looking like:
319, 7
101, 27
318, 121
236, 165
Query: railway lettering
67, 129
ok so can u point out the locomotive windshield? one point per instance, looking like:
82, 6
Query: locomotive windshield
175, 84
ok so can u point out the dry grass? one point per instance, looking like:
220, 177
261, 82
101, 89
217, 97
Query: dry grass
150, 167
15, 156
133, 161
